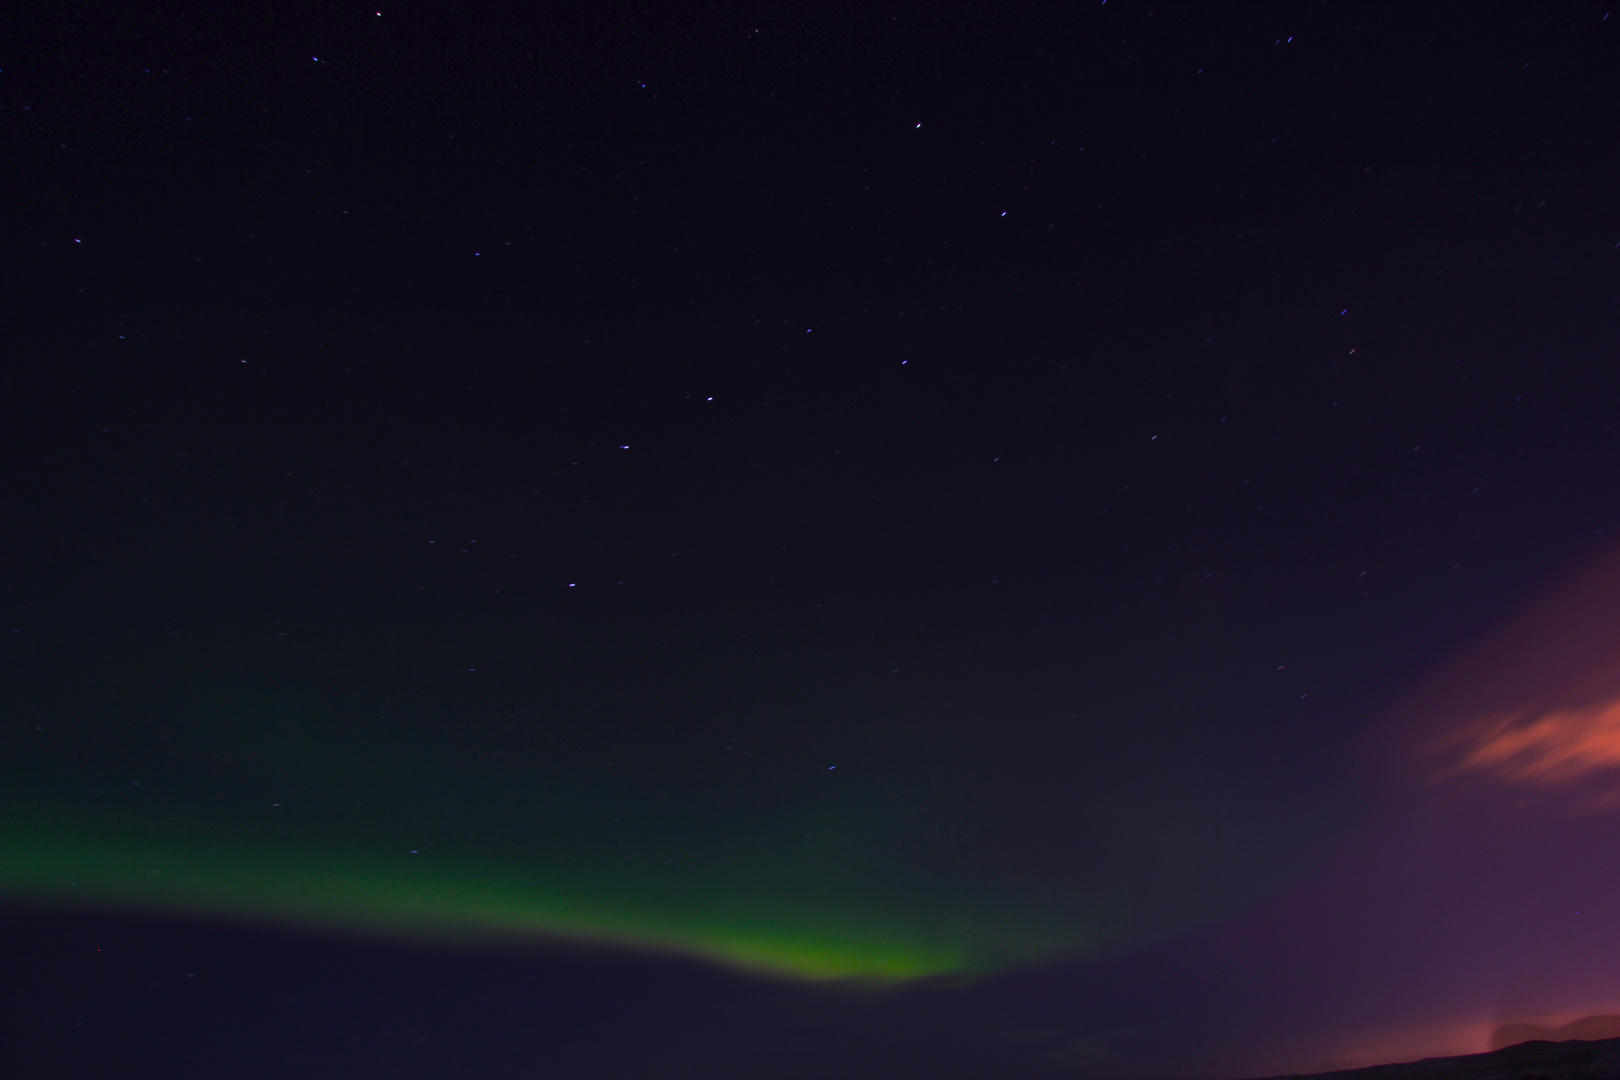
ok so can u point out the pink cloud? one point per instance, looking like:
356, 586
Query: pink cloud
1556, 747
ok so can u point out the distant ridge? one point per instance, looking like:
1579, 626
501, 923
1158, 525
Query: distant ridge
1590, 1028
1574, 1059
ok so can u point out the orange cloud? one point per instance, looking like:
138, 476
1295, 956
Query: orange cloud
1553, 748
1536, 705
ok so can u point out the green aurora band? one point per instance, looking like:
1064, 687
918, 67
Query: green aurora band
441, 900
230, 803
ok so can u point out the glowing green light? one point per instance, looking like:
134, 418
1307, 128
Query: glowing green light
430, 898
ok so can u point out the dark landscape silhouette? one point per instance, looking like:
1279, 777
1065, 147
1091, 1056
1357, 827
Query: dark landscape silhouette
1570, 1059
1601, 1026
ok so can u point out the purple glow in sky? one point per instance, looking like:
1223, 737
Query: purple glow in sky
1482, 894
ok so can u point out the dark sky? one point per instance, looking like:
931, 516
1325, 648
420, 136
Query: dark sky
716, 540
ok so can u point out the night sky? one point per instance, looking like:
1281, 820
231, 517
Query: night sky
750, 540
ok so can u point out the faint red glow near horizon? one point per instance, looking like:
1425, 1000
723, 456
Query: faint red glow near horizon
1515, 741
1555, 748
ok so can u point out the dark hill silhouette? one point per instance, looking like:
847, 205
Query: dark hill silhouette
1605, 1026
1538, 1059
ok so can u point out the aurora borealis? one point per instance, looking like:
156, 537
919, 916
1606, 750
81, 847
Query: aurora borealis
980, 542
225, 799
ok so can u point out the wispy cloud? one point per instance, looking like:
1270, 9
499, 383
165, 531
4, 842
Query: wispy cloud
1552, 748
